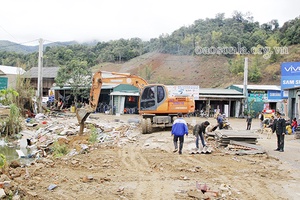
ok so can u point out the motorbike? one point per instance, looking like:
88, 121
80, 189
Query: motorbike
226, 125
203, 114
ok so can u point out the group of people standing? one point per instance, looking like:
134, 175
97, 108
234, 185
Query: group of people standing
179, 129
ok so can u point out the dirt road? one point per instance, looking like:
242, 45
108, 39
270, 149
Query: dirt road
144, 167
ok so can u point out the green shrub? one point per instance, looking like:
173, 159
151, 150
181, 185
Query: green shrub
59, 150
2, 160
94, 135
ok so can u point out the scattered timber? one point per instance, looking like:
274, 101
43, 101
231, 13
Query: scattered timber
223, 137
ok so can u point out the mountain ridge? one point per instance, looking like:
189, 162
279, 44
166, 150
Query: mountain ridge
6, 45
206, 71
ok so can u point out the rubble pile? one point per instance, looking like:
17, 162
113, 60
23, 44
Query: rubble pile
36, 144
39, 138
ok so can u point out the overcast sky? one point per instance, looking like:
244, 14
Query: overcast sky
22, 21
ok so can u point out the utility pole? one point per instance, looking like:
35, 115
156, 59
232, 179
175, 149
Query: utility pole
40, 76
245, 92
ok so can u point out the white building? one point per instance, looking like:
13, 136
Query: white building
8, 76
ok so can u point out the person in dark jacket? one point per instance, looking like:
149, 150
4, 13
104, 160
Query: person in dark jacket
279, 126
198, 131
249, 122
179, 129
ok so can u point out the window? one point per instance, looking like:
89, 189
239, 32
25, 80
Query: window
160, 94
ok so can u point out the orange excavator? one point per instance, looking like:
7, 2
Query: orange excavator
155, 105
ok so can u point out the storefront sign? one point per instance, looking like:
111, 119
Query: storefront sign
290, 76
188, 90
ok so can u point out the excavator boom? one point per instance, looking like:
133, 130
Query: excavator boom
99, 78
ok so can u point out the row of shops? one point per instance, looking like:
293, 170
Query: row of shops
231, 101
123, 99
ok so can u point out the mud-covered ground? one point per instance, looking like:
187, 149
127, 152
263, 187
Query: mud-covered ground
144, 167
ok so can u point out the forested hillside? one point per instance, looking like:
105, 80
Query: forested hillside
210, 52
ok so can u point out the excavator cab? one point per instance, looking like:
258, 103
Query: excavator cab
152, 96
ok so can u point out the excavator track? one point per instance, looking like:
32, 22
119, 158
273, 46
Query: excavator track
149, 125
146, 126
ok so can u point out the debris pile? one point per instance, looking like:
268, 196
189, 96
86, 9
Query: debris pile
203, 191
48, 130
223, 137
243, 148
42, 135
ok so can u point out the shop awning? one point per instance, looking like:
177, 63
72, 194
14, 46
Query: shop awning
118, 93
222, 96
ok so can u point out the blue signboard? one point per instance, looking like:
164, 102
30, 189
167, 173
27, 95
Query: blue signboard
290, 76
290, 69
274, 95
290, 81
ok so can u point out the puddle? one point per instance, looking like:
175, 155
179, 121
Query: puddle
11, 153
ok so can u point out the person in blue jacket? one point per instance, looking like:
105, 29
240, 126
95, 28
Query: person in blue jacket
179, 129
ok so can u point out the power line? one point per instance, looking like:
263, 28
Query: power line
18, 42
8, 33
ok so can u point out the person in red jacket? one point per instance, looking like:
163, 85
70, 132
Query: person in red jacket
179, 129
294, 125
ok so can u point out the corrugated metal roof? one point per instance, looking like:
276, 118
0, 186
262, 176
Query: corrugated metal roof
68, 87
260, 87
124, 87
273, 100
218, 91
11, 70
292, 88
48, 72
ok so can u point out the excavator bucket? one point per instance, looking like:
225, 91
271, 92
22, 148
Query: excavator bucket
82, 114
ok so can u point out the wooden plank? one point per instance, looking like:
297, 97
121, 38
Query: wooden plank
237, 135
246, 141
249, 152
247, 145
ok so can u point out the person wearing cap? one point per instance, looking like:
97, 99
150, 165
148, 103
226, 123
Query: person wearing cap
179, 129
279, 126
198, 131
